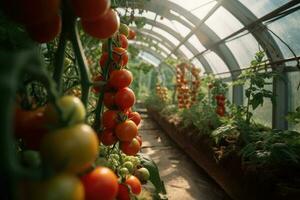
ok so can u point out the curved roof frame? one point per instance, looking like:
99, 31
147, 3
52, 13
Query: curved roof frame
179, 38
149, 50
148, 45
164, 41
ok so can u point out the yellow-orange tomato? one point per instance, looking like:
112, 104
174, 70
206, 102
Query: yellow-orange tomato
62, 186
126, 130
71, 149
72, 111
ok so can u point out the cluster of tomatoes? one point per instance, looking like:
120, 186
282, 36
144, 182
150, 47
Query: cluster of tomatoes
162, 93
220, 110
187, 96
43, 21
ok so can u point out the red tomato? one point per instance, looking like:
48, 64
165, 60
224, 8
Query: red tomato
120, 78
221, 102
139, 138
130, 148
45, 31
31, 126
125, 98
123, 193
220, 111
110, 119
108, 137
90, 9
96, 89
134, 184
122, 40
132, 34
31, 11
135, 117
120, 56
109, 99
126, 130
100, 184
104, 26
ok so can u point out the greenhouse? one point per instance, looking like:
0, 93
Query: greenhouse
150, 99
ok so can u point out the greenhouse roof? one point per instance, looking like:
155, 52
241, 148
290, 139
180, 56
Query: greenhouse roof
219, 36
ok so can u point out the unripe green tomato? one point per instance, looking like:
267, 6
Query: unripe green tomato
124, 29
115, 156
128, 165
124, 171
72, 111
142, 174
135, 161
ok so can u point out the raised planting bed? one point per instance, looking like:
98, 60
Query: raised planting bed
239, 182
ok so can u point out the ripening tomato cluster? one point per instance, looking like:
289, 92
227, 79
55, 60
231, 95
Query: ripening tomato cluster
66, 144
120, 123
42, 19
220, 110
187, 96
162, 93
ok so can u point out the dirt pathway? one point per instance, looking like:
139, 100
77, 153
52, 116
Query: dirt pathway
183, 179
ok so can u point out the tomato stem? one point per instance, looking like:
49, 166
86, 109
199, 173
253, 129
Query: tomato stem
99, 107
82, 64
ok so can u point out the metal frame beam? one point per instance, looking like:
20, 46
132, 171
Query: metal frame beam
159, 50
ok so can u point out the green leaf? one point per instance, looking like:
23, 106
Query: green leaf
155, 179
258, 99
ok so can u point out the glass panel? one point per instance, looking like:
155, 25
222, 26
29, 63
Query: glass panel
191, 4
176, 26
167, 35
202, 10
262, 7
223, 23
287, 28
294, 94
217, 64
187, 52
197, 44
152, 59
243, 49
181, 17
148, 26
164, 48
